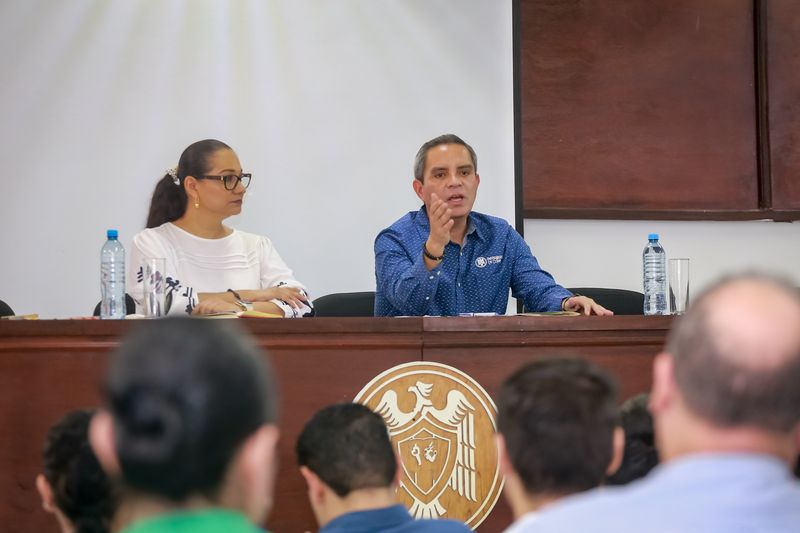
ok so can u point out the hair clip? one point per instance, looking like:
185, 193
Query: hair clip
173, 173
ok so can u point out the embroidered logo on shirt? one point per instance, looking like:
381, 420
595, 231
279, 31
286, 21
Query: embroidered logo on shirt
481, 262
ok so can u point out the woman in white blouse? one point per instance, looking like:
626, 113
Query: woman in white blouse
210, 267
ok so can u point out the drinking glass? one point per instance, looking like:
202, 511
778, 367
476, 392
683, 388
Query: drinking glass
153, 270
678, 285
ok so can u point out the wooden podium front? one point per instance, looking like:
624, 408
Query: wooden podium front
48, 367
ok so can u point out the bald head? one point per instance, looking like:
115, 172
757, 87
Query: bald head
737, 354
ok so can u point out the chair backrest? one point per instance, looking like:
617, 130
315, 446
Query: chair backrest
130, 306
5, 309
346, 304
621, 301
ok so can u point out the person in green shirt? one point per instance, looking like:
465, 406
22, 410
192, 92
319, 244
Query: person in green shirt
188, 429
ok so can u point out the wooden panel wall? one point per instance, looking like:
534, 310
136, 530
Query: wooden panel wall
783, 74
638, 108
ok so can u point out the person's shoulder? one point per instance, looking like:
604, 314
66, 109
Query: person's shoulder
441, 525
428, 525
495, 228
250, 238
403, 225
159, 234
409, 219
491, 222
598, 510
489, 219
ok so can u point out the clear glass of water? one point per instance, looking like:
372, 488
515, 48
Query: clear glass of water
678, 272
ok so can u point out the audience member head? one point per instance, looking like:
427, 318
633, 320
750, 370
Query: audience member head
640, 455
74, 487
170, 200
448, 138
728, 380
347, 460
558, 431
190, 418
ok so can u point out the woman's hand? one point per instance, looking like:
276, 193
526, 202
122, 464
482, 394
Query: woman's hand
291, 295
209, 306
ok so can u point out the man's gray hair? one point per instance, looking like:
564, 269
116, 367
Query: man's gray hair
448, 138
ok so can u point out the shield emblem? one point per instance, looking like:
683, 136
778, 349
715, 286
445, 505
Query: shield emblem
427, 452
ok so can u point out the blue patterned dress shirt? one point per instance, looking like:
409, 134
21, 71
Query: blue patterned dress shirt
473, 278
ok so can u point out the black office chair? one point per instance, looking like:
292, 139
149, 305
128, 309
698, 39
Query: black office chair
130, 306
621, 301
346, 304
5, 309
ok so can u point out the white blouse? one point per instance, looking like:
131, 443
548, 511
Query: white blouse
196, 265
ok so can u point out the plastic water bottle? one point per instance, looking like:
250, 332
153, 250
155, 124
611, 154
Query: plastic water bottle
655, 277
112, 277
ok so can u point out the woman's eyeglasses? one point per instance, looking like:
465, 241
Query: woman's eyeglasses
231, 180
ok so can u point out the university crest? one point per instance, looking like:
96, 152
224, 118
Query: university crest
441, 423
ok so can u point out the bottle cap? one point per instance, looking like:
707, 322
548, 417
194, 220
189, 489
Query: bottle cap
652, 237
112, 234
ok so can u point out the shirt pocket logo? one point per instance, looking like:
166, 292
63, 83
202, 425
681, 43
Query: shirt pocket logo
481, 262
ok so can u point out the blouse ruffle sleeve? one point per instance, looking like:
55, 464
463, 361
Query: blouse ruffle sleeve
179, 298
275, 273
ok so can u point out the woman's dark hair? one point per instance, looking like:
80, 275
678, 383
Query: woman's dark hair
185, 394
81, 489
169, 200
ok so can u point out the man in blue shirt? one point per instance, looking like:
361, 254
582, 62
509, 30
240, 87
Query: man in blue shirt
446, 259
348, 462
726, 408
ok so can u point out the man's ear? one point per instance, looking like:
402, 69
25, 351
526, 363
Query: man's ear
417, 185
398, 471
45, 493
103, 442
257, 457
255, 466
316, 488
663, 393
617, 451
506, 467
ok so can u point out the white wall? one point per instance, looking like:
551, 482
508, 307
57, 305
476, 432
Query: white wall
325, 102
608, 253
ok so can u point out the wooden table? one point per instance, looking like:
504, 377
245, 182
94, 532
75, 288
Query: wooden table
48, 367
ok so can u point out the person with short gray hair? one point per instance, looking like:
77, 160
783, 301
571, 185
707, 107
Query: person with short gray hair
446, 259
726, 410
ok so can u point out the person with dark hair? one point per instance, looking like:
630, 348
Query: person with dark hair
189, 428
446, 259
558, 434
347, 460
640, 455
73, 486
211, 267
726, 408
